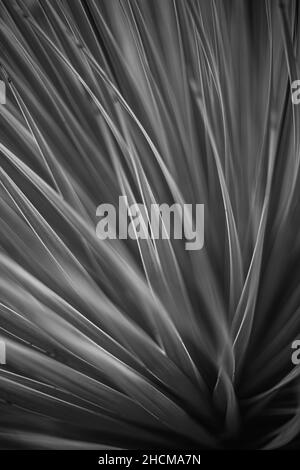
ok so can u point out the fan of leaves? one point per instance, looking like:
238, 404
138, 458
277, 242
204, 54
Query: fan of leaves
138, 344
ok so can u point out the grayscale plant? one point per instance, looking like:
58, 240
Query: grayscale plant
140, 343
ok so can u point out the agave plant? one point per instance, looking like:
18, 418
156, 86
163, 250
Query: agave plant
141, 343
